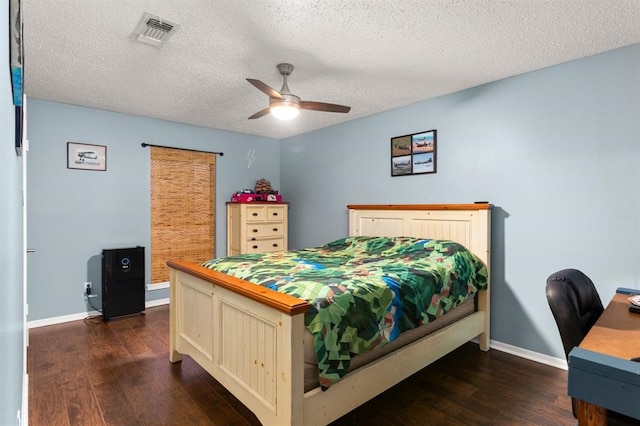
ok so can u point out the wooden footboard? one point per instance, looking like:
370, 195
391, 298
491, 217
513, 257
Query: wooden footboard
247, 337
250, 338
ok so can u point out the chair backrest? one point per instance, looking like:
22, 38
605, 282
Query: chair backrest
575, 304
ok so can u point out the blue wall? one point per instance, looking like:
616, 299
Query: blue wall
556, 151
74, 214
11, 250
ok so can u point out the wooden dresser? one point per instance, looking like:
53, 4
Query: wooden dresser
256, 227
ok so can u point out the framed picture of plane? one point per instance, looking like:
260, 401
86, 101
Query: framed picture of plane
414, 154
86, 156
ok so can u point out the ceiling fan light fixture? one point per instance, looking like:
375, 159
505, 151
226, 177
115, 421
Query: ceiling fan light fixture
284, 105
284, 110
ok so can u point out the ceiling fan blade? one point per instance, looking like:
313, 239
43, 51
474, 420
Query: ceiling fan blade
260, 114
265, 88
322, 106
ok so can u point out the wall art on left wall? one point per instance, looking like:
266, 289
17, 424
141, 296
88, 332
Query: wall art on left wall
86, 156
16, 60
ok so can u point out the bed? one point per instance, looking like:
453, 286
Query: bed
250, 338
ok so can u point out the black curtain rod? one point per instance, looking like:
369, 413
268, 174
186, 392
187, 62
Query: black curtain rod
144, 145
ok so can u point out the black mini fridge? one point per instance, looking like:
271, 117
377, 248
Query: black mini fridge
122, 282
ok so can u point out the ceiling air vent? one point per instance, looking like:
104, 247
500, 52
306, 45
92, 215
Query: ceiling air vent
154, 30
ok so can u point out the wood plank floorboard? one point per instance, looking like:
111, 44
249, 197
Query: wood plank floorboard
118, 373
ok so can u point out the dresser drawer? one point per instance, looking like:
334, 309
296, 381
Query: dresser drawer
275, 213
256, 213
262, 230
264, 246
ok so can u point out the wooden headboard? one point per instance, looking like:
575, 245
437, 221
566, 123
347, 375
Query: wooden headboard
467, 224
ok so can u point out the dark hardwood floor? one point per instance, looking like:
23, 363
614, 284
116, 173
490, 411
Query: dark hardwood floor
118, 373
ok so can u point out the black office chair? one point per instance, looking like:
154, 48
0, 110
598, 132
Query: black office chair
576, 306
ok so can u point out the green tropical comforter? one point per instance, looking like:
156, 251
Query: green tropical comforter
364, 291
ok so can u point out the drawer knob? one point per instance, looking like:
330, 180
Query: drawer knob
254, 214
255, 230
275, 214
253, 239
275, 229
275, 244
255, 247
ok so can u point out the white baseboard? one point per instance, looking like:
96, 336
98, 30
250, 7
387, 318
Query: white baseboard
83, 315
157, 302
157, 286
530, 355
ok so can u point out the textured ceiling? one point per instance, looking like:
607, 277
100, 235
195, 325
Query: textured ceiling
371, 55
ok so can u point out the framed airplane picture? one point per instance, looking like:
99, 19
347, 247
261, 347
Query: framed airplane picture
414, 154
86, 156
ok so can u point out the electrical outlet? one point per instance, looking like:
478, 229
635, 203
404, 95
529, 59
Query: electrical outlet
87, 288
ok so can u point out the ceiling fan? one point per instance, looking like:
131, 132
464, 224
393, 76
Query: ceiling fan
284, 105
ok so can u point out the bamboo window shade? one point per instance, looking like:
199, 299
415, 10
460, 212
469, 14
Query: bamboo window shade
182, 208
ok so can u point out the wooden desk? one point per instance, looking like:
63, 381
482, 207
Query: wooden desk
601, 376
